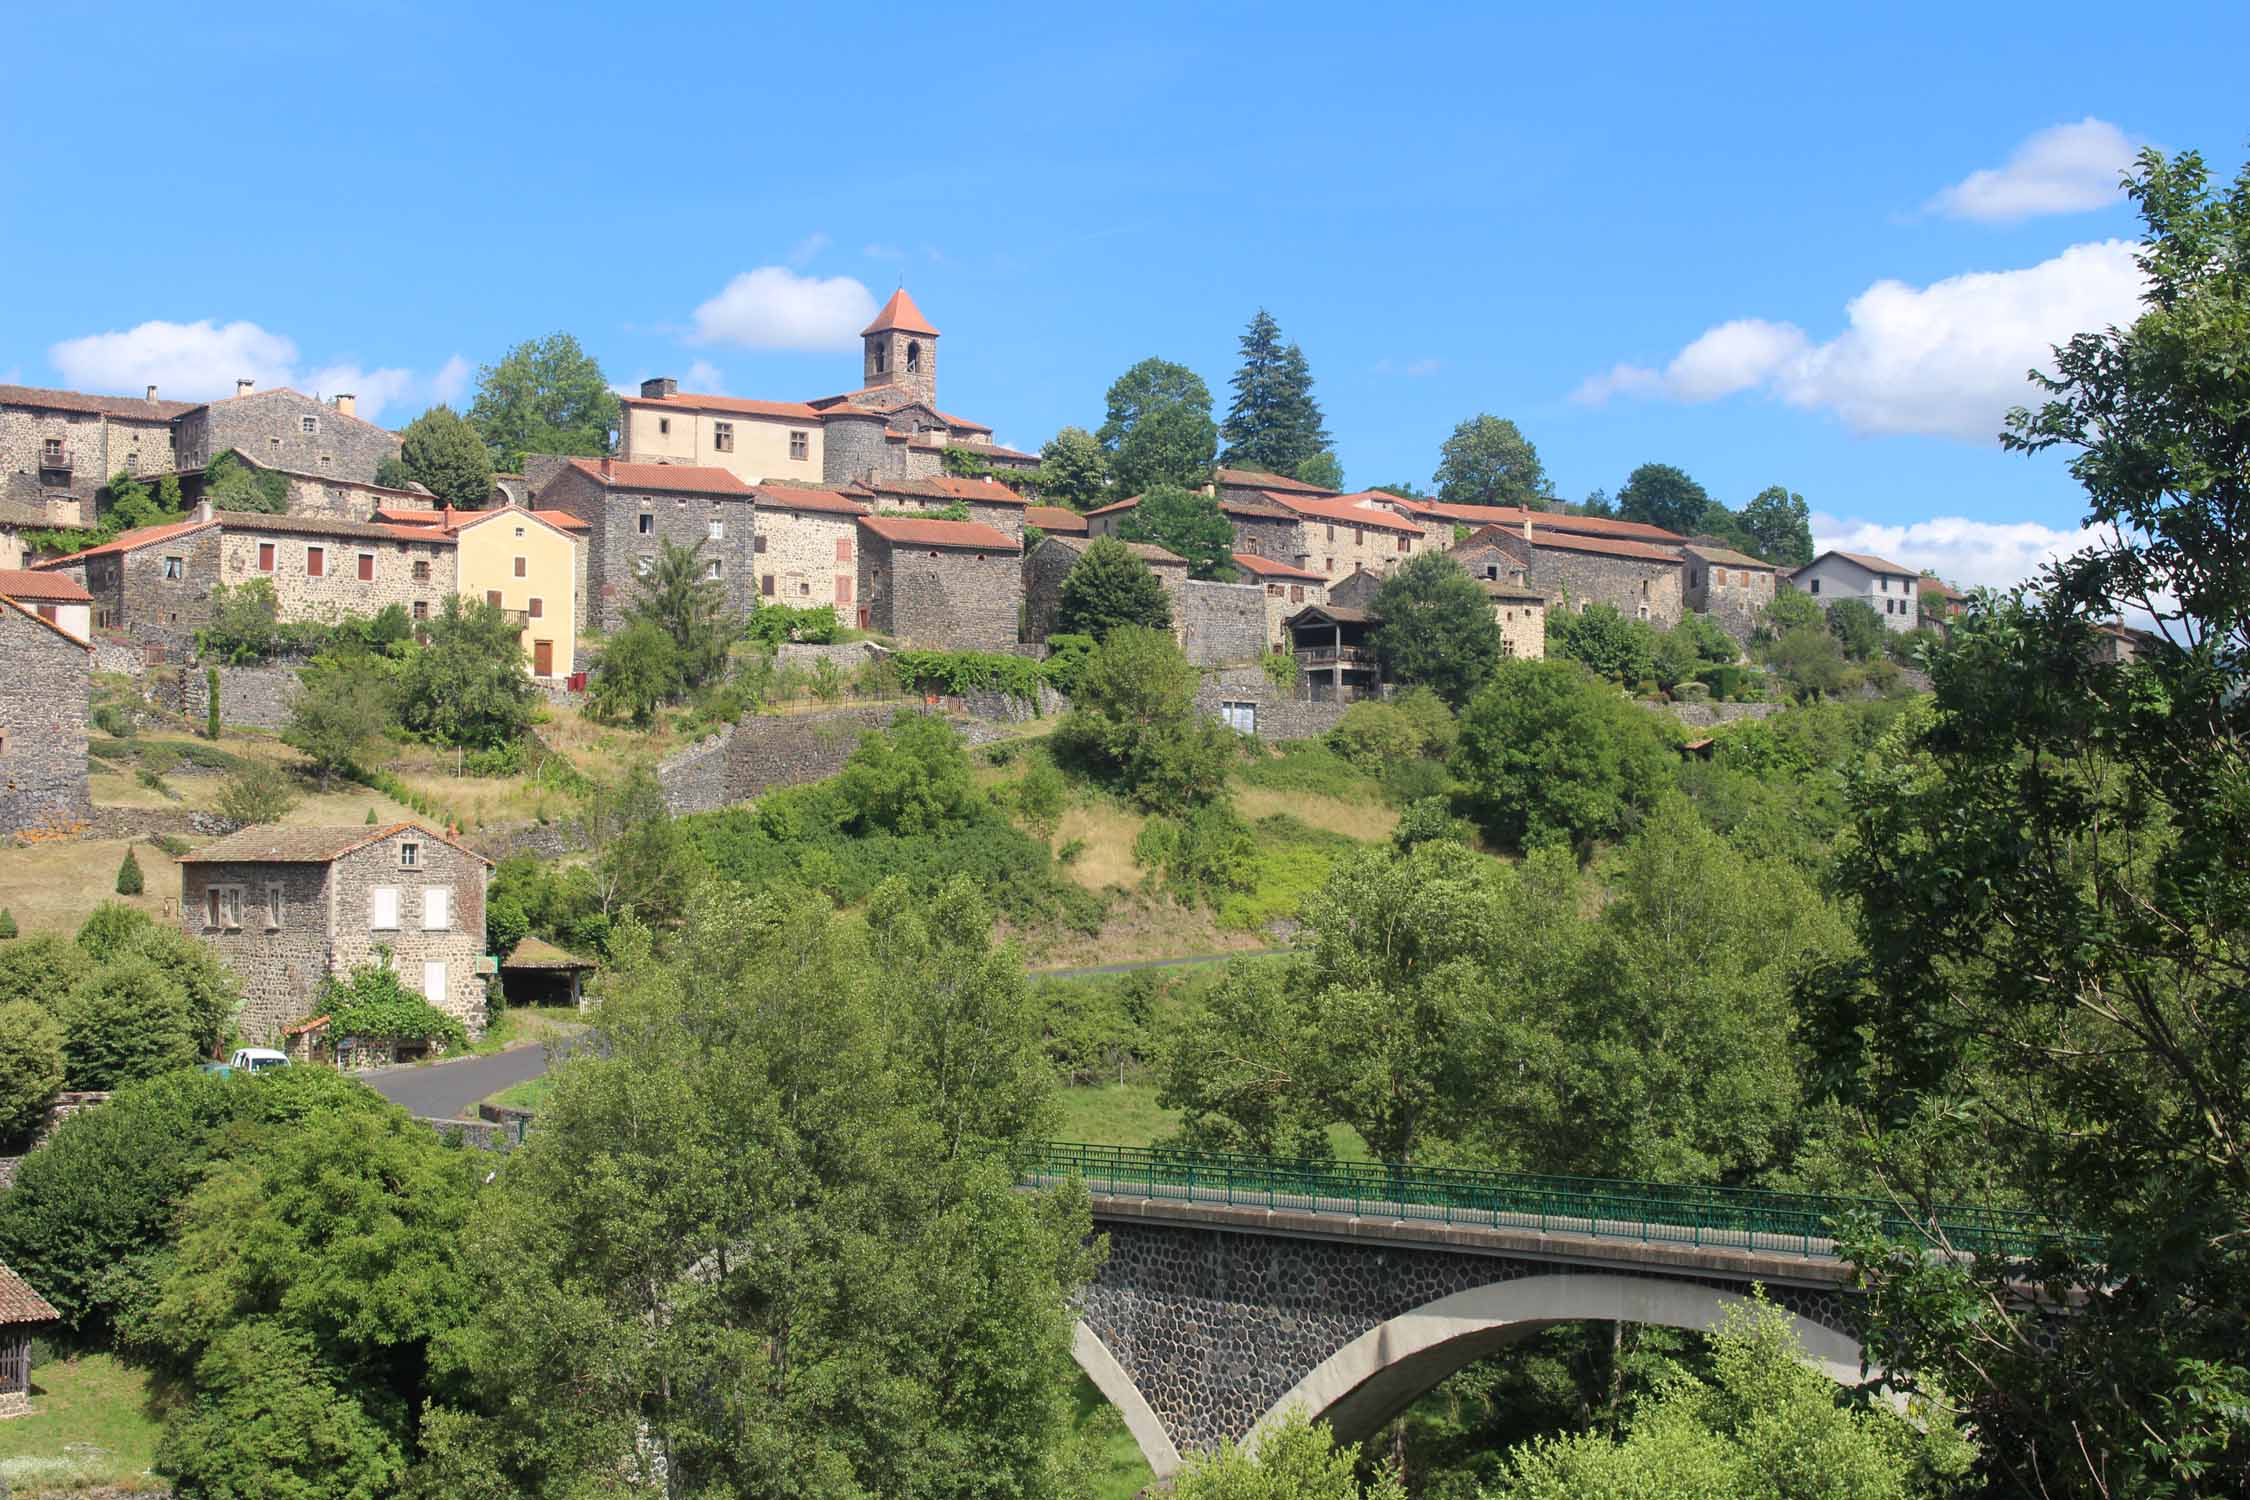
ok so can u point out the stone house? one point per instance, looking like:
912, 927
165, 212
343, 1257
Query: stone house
20, 516
53, 597
807, 548
989, 501
1251, 484
632, 509
66, 444
531, 564
287, 907
756, 441
46, 697
1221, 623
1892, 591
1287, 589
952, 584
1347, 534
1335, 655
1441, 520
159, 579
1732, 587
1262, 526
1048, 564
1054, 520
1571, 570
285, 429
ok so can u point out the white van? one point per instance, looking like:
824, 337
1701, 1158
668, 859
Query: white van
257, 1059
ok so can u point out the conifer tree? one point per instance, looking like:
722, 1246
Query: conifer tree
1274, 424
129, 876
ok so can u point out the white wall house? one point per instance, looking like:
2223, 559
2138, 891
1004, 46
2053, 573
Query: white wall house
1888, 588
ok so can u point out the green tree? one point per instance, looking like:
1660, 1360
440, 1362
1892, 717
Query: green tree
231, 483
911, 778
468, 685
1857, 628
1549, 754
1324, 469
2074, 980
644, 865
1297, 1460
129, 875
1186, 522
1274, 423
245, 623
1074, 469
1133, 722
545, 396
343, 703
1437, 629
1661, 495
370, 1002
31, 1066
1810, 660
1790, 609
257, 792
640, 670
679, 594
1781, 524
269, 1422
1405, 489
445, 455
126, 1021
1159, 429
1488, 461
1108, 586
1600, 639
785, 1279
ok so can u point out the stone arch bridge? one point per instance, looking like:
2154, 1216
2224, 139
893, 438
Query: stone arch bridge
1239, 1288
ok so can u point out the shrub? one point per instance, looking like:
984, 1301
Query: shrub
1409, 781
31, 1065
129, 875
1204, 856
261, 792
126, 1021
640, 669
41, 969
1427, 820
1134, 724
1040, 797
171, 843
371, 815
468, 686
370, 1003
1309, 766
1107, 587
910, 778
243, 626
1549, 754
7, 924
211, 703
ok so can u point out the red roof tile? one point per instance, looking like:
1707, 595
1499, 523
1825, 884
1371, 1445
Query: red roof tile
1253, 479
133, 408
917, 532
1053, 519
271, 843
128, 541
1870, 562
788, 497
950, 487
1606, 546
901, 314
1512, 515
1266, 567
682, 400
42, 621
1342, 511
47, 588
1148, 552
994, 450
20, 1304
691, 478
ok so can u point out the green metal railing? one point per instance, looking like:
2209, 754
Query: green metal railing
1745, 1218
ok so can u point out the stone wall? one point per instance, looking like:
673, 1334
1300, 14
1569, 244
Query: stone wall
1708, 715
249, 697
458, 945
120, 657
853, 446
46, 695
98, 446
1044, 569
1221, 623
1280, 716
269, 426
403, 572
695, 779
615, 542
763, 751
848, 656
1736, 605
945, 597
806, 558
280, 957
1637, 588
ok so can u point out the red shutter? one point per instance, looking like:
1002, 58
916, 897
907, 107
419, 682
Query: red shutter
492, 597
367, 567
265, 557
316, 562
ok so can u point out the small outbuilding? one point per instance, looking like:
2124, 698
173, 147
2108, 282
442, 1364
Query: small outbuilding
23, 1312
537, 972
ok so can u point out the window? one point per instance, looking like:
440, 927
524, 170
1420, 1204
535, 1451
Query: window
1404, 543
175, 568
421, 606
273, 907
519, 533
882, 359
913, 355
718, 531
663, 426
421, 572
308, 424
1813, 587
843, 588
1359, 536
492, 597
520, 564
433, 982
805, 588
800, 445
722, 436
316, 562
1273, 591
1242, 718
436, 903
1296, 593
1331, 568
382, 908
843, 549
714, 569
265, 557
222, 906
765, 585
648, 523
410, 856
538, 609
1883, 584
51, 449
758, 543
367, 567
1332, 533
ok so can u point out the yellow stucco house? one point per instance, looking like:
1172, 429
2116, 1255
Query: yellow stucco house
531, 563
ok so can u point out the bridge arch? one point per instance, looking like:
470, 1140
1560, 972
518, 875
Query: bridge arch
1110, 1379
1379, 1374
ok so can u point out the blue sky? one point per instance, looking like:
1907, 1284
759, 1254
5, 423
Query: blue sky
1642, 234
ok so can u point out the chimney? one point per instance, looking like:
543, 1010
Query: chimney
152, 393
605, 466
347, 404
202, 511
1527, 525
659, 388
242, 387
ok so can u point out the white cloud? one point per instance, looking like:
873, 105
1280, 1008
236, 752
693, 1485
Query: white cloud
1947, 359
808, 247
775, 308
2064, 169
203, 360
705, 378
1971, 554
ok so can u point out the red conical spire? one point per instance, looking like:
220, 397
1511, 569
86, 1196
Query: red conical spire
901, 314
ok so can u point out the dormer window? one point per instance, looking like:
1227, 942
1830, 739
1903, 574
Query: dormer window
410, 856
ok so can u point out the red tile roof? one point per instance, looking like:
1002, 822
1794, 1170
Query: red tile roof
1725, 557
271, 843
1512, 515
1266, 567
1606, 546
20, 1304
1345, 511
1053, 519
950, 420
38, 619
450, 519
950, 487
788, 497
1148, 552
1252, 479
901, 314
995, 450
917, 532
128, 541
792, 410
1269, 507
691, 478
132, 407
47, 588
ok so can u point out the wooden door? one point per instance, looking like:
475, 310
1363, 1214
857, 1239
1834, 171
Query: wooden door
542, 658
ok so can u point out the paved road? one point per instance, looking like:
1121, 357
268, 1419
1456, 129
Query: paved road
450, 1090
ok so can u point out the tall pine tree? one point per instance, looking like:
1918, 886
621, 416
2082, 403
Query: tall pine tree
1274, 424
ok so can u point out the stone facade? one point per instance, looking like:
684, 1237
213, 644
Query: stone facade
286, 429
69, 443
1348, 534
807, 549
1221, 623
1049, 563
1640, 581
285, 924
323, 570
631, 510
45, 697
1731, 587
1272, 714
249, 697
349, 499
950, 584
764, 751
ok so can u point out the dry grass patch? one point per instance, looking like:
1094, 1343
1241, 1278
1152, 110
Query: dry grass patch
1142, 927
1105, 833
1368, 821
51, 887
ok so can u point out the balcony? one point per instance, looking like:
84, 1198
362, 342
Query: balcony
54, 460
1333, 655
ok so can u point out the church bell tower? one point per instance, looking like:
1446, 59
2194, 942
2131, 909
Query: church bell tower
900, 349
